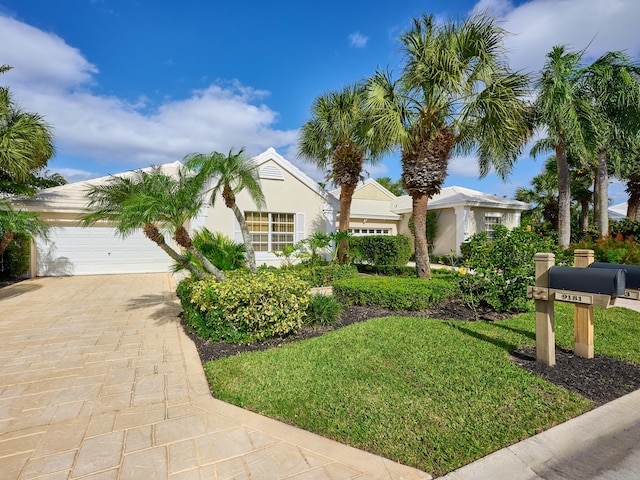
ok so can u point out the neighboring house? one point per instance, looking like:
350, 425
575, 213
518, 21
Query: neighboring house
296, 207
618, 211
461, 212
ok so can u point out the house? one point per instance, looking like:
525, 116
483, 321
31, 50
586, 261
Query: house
618, 211
461, 212
296, 206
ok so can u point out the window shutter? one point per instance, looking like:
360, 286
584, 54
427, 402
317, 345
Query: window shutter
300, 233
237, 233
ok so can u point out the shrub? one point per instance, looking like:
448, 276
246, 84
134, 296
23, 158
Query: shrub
613, 250
14, 262
322, 310
220, 250
383, 249
395, 293
323, 275
502, 268
246, 307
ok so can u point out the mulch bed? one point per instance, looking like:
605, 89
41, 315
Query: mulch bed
600, 379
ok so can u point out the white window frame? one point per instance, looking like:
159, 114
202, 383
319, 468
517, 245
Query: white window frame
489, 225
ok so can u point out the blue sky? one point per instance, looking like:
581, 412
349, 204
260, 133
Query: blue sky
129, 83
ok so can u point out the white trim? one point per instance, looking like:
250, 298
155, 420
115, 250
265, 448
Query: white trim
462, 226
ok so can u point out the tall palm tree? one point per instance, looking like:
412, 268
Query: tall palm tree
14, 222
456, 92
26, 143
231, 174
559, 108
153, 202
338, 137
611, 85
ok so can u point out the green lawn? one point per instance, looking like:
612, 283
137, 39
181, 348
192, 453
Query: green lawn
427, 393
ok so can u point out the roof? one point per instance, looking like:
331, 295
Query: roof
451, 197
618, 211
71, 197
364, 191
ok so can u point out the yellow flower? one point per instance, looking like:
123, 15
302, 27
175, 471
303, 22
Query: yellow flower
462, 271
528, 228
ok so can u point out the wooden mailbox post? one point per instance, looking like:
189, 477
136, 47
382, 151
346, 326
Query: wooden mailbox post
585, 287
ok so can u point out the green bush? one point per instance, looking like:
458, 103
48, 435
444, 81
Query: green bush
383, 249
14, 262
612, 250
322, 275
322, 310
395, 293
246, 307
503, 267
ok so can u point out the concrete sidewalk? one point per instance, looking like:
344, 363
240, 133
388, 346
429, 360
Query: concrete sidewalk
98, 381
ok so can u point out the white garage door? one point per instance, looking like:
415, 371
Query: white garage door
98, 250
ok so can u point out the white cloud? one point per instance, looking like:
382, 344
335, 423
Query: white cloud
538, 25
357, 40
52, 78
74, 174
466, 166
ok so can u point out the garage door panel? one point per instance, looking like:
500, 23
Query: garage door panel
98, 250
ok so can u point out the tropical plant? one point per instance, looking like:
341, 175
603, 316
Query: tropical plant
16, 222
394, 187
152, 201
561, 109
231, 174
456, 92
611, 86
339, 137
26, 143
222, 251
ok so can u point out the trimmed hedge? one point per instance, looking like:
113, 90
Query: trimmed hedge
383, 249
395, 293
322, 275
246, 307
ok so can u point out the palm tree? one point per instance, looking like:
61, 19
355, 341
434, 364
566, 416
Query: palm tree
338, 137
394, 187
152, 201
14, 222
456, 92
543, 195
231, 174
560, 109
611, 86
26, 143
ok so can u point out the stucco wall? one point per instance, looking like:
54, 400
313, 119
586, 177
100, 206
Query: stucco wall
282, 196
446, 235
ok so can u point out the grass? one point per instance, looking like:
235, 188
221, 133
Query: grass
427, 393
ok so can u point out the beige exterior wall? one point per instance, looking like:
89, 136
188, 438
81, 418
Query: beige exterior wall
446, 235
282, 196
370, 192
509, 219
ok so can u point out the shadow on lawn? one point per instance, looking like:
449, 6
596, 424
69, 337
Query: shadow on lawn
485, 338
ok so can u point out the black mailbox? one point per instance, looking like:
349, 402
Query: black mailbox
589, 280
632, 272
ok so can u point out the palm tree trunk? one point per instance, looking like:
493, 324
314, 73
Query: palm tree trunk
346, 195
602, 178
246, 238
423, 267
153, 234
596, 196
633, 189
184, 240
564, 197
584, 214
6, 239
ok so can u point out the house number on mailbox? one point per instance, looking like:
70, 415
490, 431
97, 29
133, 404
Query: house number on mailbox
567, 297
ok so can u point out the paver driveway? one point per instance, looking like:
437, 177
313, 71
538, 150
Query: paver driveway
97, 380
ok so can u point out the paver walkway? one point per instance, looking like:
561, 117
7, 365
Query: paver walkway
98, 381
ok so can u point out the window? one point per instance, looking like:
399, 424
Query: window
490, 222
270, 232
359, 232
